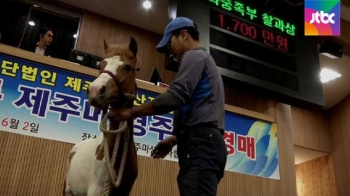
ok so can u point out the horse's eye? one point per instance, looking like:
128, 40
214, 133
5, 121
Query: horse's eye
127, 68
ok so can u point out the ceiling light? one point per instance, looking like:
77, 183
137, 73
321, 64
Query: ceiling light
31, 23
327, 75
147, 4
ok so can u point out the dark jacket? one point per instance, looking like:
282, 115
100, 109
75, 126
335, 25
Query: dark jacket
48, 50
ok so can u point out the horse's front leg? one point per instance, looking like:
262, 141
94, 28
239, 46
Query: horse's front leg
98, 175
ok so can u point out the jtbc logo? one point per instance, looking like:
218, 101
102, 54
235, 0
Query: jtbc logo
316, 17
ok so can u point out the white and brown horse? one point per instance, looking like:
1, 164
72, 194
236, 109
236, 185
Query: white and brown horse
114, 89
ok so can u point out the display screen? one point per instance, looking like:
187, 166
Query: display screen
253, 32
255, 15
254, 69
252, 51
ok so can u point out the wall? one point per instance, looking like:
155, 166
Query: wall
311, 129
249, 101
316, 177
31, 166
339, 124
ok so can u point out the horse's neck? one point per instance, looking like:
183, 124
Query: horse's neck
114, 125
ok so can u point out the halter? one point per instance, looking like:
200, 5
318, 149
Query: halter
124, 97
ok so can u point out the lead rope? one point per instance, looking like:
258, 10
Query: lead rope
111, 178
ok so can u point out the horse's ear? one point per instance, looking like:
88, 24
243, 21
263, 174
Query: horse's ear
105, 45
133, 46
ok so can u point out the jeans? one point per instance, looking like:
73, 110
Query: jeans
202, 157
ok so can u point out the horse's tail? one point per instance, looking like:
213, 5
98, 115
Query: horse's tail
64, 187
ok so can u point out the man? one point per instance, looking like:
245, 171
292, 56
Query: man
197, 97
42, 47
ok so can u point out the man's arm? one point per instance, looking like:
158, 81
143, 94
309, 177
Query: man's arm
176, 124
180, 90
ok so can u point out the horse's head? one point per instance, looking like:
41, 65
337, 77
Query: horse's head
115, 85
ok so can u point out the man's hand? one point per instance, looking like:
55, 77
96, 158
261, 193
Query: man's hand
127, 113
164, 147
120, 114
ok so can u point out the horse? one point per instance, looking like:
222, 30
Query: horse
92, 166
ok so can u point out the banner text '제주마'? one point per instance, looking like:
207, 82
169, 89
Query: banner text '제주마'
39, 103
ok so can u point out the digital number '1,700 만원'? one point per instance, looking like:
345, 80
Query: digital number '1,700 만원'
243, 27
252, 32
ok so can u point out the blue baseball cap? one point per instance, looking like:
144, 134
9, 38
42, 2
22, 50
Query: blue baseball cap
177, 23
